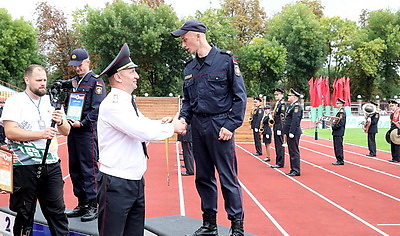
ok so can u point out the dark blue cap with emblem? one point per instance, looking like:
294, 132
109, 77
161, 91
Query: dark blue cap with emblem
77, 56
190, 25
121, 62
278, 90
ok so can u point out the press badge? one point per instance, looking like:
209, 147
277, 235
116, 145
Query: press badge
42, 125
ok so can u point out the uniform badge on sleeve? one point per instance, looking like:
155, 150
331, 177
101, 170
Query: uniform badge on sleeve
99, 88
236, 67
296, 110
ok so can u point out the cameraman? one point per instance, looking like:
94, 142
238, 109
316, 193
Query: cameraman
27, 117
82, 141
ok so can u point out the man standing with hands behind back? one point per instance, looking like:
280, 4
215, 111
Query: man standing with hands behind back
256, 121
214, 104
82, 141
338, 133
279, 115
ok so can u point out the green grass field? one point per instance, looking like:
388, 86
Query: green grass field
354, 136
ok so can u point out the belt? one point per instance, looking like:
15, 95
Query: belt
208, 114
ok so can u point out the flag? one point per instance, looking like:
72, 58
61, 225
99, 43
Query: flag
347, 95
318, 91
311, 92
327, 92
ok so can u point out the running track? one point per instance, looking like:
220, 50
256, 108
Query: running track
360, 198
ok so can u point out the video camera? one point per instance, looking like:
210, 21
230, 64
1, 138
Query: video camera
57, 89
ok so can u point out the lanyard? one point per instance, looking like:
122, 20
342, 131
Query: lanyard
37, 107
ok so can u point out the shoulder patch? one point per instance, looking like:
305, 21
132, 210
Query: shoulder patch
227, 52
188, 76
376, 115
99, 87
296, 109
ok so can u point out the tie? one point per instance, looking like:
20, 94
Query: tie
143, 143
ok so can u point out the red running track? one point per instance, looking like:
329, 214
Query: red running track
360, 198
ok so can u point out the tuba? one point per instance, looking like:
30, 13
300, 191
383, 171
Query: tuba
251, 115
369, 109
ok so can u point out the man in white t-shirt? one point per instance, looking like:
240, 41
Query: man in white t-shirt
27, 118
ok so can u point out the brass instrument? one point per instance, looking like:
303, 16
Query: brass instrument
329, 120
271, 121
251, 115
284, 144
391, 137
369, 109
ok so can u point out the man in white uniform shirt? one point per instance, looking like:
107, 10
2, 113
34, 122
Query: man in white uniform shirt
122, 131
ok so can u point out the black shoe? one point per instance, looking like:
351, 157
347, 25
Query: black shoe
267, 159
186, 174
209, 226
91, 212
181, 153
395, 161
276, 166
370, 155
79, 210
257, 154
338, 163
183, 166
237, 228
292, 174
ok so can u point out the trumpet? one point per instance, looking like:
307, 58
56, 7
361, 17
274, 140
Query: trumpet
271, 121
329, 120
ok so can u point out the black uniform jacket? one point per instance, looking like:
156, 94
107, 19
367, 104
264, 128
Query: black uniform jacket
339, 127
293, 117
257, 118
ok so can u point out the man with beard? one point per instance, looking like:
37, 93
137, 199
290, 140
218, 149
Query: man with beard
27, 118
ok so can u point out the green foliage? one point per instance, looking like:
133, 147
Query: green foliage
354, 136
299, 31
147, 32
262, 63
18, 48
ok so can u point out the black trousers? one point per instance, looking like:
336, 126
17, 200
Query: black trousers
83, 157
48, 190
395, 151
294, 153
371, 143
279, 150
211, 154
187, 149
257, 141
121, 206
338, 147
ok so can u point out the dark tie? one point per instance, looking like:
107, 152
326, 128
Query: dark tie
143, 143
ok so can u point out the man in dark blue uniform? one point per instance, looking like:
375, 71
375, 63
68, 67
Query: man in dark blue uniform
187, 150
292, 130
279, 116
257, 115
338, 133
82, 140
372, 130
214, 103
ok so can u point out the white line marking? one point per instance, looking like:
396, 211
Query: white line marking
264, 210
388, 224
329, 201
180, 186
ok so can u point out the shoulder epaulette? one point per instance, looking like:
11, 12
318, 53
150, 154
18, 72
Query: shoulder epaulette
189, 60
96, 76
227, 52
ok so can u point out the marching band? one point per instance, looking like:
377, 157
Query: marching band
285, 124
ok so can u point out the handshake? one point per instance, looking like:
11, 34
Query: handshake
180, 125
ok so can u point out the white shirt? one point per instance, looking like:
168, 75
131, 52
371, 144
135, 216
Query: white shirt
31, 115
121, 133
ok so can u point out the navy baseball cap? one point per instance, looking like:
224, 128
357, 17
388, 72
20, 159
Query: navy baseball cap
190, 25
77, 56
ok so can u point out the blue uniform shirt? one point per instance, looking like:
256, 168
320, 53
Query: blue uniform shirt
215, 87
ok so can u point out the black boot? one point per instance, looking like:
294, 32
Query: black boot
209, 226
91, 212
237, 228
79, 210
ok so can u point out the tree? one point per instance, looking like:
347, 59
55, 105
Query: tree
262, 65
147, 32
315, 5
18, 48
299, 31
56, 39
248, 18
384, 25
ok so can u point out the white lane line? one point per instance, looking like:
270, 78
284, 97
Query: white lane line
66, 177
353, 163
329, 201
351, 152
180, 185
388, 224
262, 208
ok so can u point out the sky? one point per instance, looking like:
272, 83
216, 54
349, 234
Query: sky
346, 9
